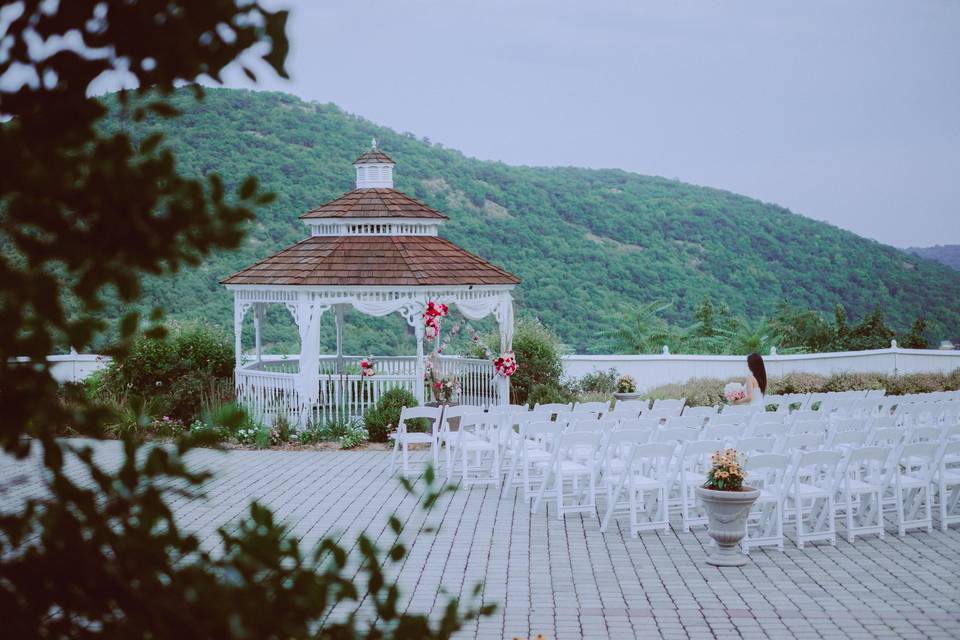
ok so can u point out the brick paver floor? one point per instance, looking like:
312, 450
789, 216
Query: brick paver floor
565, 579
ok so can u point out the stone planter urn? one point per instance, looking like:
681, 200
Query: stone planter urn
632, 395
727, 522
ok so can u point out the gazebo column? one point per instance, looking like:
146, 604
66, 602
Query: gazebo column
505, 324
239, 310
339, 310
259, 309
421, 370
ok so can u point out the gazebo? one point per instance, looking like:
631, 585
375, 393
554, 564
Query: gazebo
375, 250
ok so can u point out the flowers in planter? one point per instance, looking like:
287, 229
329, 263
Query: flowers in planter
431, 318
446, 388
366, 367
626, 384
734, 391
726, 473
506, 364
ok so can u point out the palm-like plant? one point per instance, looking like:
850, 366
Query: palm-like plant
644, 331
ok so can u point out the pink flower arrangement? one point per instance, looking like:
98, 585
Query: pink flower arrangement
431, 318
506, 364
734, 392
366, 367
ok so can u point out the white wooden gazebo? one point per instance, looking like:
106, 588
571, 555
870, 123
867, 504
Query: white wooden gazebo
377, 251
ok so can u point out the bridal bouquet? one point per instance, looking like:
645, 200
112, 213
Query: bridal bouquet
734, 391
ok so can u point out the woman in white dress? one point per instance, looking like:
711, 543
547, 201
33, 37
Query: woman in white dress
755, 385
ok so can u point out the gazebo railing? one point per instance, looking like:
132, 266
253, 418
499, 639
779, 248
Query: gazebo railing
268, 394
269, 388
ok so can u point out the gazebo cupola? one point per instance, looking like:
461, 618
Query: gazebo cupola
377, 251
374, 169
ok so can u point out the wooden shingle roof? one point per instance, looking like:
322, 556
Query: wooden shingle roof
373, 261
374, 203
373, 155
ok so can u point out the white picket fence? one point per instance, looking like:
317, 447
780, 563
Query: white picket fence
654, 370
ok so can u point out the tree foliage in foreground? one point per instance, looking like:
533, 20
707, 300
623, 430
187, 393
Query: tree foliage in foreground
85, 212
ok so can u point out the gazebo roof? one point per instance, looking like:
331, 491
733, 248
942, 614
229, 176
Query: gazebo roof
373, 236
373, 155
373, 261
374, 203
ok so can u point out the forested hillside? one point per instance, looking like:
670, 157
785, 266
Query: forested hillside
948, 254
589, 245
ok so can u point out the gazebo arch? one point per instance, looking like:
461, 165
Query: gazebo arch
377, 251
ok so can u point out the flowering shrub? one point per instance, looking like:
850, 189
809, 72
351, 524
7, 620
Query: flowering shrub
725, 473
431, 318
246, 435
506, 364
168, 426
626, 384
734, 392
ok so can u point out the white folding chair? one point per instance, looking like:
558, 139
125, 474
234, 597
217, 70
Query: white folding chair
802, 442
554, 408
694, 463
912, 479
676, 436
450, 418
777, 430
756, 444
948, 484
643, 489
728, 433
739, 410
673, 406
813, 493
599, 408
532, 454
403, 437
701, 412
768, 473
685, 422
722, 419
630, 407
616, 455
843, 440
570, 466
861, 489
476, 447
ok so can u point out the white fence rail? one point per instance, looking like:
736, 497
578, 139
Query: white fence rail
654, 370
648, 370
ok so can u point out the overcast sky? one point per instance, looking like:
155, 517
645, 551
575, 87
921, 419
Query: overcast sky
846, 111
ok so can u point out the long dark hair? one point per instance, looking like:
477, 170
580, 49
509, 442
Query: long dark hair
755, 363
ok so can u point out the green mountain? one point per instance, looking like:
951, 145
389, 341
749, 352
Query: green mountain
948, 254
589, 245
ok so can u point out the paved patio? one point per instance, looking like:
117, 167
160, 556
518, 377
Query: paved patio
565, 579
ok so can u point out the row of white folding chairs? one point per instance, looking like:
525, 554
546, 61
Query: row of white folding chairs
648, 478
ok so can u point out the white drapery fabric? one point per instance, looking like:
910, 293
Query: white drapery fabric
308, 323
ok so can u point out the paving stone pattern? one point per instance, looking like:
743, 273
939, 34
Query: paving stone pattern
564, 579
